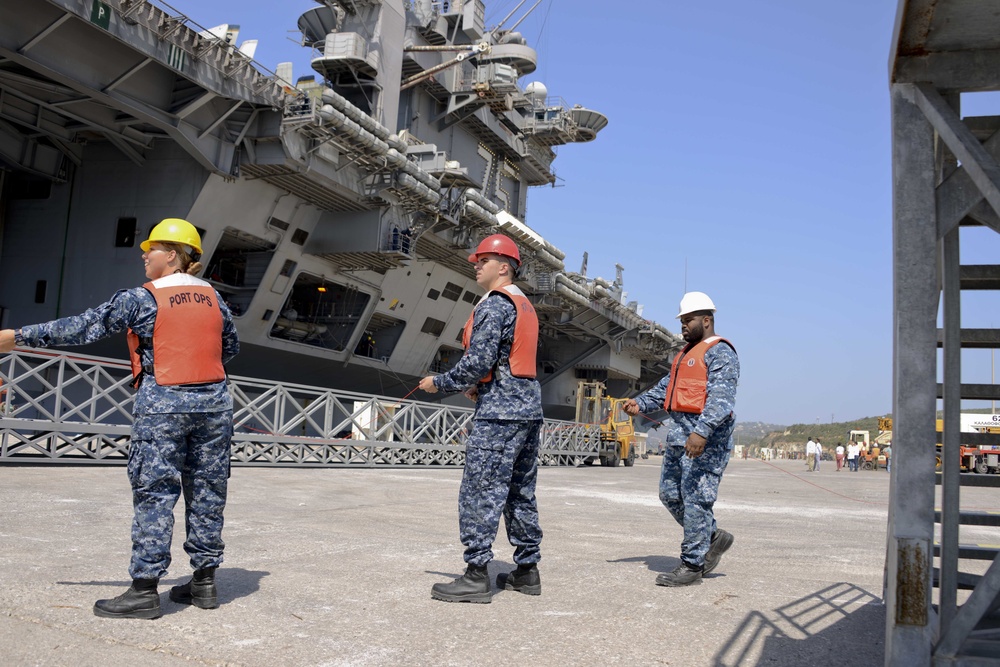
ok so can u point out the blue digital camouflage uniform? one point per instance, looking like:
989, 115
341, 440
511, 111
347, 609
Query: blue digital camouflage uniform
180, 435
501, 452
689, 487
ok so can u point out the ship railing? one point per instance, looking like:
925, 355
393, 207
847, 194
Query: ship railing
555, 103
172, 26
58, 407
542, 156
299, 107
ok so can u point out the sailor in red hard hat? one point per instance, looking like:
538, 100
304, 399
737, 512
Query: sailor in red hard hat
501, 453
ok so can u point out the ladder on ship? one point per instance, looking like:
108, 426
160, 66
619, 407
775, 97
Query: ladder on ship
69, 408
946, 187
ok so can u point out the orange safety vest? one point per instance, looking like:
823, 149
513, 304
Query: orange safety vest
688, 386
525, 345
187, 337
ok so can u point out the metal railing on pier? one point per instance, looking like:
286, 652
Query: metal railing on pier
70, 408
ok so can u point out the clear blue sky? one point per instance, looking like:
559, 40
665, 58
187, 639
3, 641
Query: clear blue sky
747, 156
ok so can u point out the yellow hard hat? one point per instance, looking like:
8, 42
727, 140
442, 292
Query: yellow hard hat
174, 230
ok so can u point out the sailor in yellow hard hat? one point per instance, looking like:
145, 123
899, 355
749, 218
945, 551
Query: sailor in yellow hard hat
175, 230
181, 334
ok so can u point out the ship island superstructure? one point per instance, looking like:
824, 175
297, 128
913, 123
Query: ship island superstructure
337, 212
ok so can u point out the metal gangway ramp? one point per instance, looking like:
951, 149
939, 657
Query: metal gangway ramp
946, 180
77, 409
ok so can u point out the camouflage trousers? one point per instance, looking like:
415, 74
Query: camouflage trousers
688, 489
171, 454
501, 467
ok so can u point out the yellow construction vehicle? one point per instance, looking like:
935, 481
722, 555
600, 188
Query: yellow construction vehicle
870, 457
872, 454
618, 436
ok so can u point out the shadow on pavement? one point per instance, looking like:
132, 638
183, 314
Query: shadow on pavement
654, 563
840, 624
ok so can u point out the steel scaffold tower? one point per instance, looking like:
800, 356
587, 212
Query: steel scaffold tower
945, 177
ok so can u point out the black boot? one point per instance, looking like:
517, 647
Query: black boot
200, 591
524, 579
682, 575
473, 586
721, 541
140, 601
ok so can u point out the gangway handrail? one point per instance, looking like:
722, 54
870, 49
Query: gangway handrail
59, 407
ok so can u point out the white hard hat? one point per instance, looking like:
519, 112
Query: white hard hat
692, 302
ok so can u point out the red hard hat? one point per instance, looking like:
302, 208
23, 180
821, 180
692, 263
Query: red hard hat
497, 244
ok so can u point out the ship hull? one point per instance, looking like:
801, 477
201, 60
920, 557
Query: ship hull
336, 215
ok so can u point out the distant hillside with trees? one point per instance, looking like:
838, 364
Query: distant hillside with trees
745, 431
756, 435
793, 438
748, 432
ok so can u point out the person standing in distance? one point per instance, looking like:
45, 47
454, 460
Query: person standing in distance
501, 452
699, 395
180, 335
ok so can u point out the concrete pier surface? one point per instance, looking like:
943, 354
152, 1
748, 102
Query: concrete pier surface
335, 567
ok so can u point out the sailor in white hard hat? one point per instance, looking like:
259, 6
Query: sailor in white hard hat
693, 302
699, 395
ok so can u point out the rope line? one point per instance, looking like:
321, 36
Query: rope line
857, 500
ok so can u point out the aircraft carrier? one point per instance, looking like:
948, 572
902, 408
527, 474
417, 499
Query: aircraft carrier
337, 210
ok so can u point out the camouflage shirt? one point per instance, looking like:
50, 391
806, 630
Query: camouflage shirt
136, 309
717, 419
504, 396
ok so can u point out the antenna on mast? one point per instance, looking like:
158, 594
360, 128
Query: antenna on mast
526, 15
507, 18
